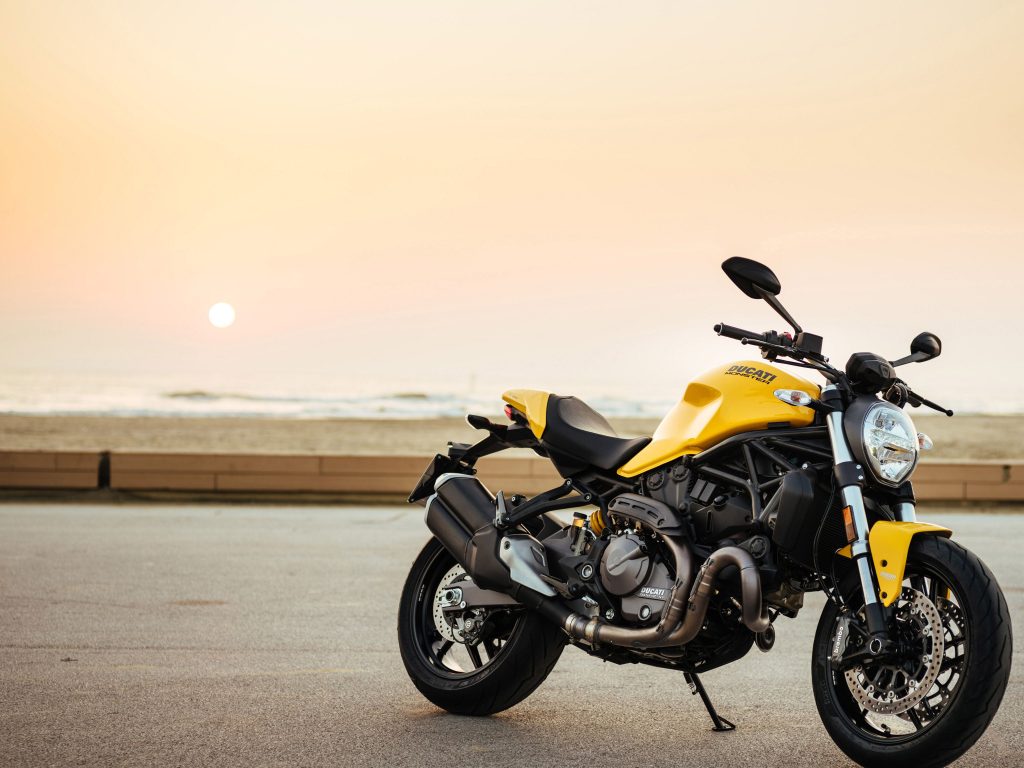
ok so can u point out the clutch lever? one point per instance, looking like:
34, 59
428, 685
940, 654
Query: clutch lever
778, 349
771, 351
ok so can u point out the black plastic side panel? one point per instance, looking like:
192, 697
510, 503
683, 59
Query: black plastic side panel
804, 515
795, 523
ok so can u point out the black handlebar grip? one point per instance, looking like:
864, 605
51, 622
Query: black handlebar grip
739, 334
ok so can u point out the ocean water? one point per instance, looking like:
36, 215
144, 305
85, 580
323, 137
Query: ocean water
319, 397
311, 398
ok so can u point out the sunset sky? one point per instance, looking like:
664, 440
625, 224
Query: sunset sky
513, 193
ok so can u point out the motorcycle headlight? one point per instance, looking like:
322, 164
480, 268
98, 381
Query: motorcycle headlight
890, 443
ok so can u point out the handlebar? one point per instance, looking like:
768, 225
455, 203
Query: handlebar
739, 334
773, 345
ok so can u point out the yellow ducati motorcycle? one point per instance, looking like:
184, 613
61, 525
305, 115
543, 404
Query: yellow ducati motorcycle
685, 547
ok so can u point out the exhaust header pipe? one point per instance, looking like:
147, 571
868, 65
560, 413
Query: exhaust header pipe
670, 631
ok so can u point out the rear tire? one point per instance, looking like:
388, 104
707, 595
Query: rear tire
525, 651
983, 668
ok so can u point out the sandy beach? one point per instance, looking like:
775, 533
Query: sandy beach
961, 437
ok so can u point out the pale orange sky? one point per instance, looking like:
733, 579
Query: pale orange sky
532, 193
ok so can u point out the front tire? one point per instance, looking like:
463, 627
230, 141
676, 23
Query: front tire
509, 662
973, 663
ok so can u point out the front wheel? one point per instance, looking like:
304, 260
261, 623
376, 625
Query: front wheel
469, 662
926, 704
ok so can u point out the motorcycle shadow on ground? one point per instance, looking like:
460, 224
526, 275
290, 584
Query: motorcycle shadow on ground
634, 717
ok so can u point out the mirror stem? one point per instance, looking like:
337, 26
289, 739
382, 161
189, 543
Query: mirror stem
775, 304
916, 357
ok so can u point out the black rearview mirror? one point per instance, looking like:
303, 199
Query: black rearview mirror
752, 277
758, 282
926, 344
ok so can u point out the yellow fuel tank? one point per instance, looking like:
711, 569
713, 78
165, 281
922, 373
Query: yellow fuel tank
734, 398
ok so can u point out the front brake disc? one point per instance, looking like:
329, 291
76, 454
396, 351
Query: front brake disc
892, 687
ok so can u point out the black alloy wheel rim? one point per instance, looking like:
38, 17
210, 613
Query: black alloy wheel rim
923, 716
450, 658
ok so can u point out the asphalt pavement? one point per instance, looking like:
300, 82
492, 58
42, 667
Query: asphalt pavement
265, 636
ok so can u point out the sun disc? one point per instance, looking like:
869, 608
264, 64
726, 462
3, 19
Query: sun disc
222, 315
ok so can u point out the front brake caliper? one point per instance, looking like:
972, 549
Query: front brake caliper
840, 639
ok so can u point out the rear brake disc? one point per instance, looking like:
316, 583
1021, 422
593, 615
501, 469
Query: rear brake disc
448, 594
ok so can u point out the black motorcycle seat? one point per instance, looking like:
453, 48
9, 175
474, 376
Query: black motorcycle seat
576, 429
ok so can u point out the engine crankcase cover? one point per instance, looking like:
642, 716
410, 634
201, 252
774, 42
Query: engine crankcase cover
625, 565
646, 605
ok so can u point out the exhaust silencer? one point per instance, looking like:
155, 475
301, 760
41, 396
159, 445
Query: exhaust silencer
460, 514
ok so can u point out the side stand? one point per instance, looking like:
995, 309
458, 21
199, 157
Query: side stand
697, 688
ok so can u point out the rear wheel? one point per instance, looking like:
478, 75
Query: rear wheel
928, 703
469, 662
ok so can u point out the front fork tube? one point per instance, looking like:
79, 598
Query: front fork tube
906, 512
873, 609
850, 475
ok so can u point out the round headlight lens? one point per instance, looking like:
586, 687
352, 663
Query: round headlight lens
890, 443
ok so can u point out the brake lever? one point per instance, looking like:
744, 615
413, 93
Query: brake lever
917, 401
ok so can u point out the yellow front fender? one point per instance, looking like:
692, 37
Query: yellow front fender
889, 544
